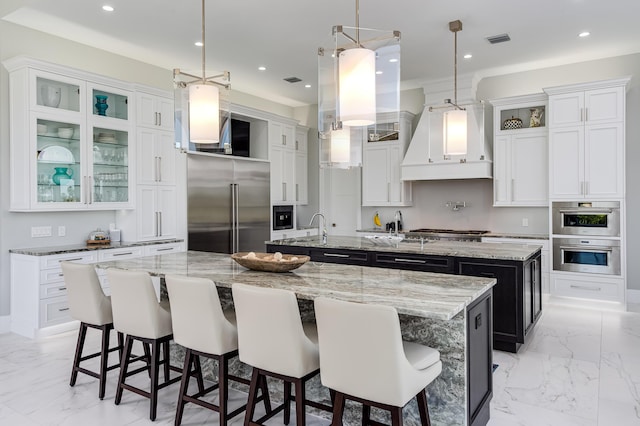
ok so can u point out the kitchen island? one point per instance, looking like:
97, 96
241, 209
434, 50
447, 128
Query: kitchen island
517, 296
449, 313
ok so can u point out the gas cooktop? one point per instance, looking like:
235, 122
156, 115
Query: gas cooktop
449, 231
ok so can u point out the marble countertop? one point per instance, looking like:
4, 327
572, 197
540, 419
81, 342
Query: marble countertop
422, 294
499, 251
46, 251
490, 234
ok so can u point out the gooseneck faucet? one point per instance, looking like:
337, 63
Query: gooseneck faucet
398, 219
322, 230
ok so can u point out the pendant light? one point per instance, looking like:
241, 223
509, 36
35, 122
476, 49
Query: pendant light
455, 121
357, 82
201, 102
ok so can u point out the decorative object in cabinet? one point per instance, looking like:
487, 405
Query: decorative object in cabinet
587, 140
520, 153
52, 108
381, 174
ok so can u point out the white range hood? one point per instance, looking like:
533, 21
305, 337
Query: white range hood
425, 160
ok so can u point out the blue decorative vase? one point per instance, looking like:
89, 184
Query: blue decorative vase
61, 173
101, 104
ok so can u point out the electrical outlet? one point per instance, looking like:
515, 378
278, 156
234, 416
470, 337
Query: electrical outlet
62, 231
40, 231
525, 221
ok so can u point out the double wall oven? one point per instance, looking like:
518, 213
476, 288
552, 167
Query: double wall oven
586, 237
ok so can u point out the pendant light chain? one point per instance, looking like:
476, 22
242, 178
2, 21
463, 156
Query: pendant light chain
203, 49
455, 67
358, 23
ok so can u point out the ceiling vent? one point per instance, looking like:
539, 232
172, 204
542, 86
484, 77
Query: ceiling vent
292, 79
501, 38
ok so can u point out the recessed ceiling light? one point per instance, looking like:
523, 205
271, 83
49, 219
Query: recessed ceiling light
468, 56
307, 86
378, 72
393, 60
584, 34
107, 8
198, 43
262, 68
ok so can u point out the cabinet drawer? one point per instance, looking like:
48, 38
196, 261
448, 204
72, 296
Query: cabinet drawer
48, 276
54, 311
586, 289
440, 264
48, 262
121, 253
163, 249
349, 257
53, 290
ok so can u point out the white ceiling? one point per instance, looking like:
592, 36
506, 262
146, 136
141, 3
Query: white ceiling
284, 35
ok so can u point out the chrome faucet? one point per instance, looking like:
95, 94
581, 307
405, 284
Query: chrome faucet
398, 219
321, 230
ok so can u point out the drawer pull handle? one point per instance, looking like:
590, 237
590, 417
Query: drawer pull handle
71, 260
122, 254
62, 288
63, 309
165, 249
410, 260
335, 255
61, 274
584, 287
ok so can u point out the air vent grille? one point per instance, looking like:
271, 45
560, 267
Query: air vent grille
292, 79
500, 38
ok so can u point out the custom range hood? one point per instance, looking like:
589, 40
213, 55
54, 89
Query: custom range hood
425, 159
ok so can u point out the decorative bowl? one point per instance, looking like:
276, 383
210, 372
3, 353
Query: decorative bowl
266, 262
512, 123
55, 154
65, 132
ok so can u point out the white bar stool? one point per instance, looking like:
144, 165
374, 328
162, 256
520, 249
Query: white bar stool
363, 358
204, 329
273, 340
89, 305
137, 313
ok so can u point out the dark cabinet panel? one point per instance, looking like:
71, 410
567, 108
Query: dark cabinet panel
272, 248
349, 257
415, 262
480, 359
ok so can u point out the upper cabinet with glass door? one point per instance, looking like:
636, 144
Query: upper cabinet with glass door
70, 139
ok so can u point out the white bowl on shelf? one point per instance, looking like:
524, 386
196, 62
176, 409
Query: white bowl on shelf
56, 154
65, 132
42, 129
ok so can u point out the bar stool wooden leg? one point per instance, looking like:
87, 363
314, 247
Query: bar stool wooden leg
155, 372
265, 394
338, 409
82, 334
104, 357
124, 365
184, 386
223, 388
396, 416
366, 414
165, 358
300, 399
251, 401
423, 407
287, 401
198, 371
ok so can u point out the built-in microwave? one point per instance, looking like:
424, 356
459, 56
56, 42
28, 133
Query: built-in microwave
596, 256
282, 217
586, 218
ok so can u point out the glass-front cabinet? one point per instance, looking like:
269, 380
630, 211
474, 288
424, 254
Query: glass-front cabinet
71, 141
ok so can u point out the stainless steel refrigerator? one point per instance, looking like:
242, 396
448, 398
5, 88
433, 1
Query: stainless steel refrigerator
228, 204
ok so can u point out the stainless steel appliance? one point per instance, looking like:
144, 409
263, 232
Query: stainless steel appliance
601, 218
228, 203
597, 256
282, 217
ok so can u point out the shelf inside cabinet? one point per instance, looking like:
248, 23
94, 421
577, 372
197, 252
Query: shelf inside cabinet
522, 118
57, 94
109, 104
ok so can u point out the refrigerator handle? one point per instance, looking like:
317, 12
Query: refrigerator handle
232, 186
237, 218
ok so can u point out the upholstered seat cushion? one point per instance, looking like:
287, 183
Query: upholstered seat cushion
420, 356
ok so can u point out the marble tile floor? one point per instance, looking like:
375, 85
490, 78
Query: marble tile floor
582, 368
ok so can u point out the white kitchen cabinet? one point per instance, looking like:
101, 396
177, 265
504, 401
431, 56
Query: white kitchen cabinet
157, 212
587, 140
381, 160
301, 166
520, 151
156, 157
154, 111
589, 287
282, 154
70, 137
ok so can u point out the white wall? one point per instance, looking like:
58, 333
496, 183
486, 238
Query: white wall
15, 227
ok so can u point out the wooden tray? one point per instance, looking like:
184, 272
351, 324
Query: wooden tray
98, 242
265, 261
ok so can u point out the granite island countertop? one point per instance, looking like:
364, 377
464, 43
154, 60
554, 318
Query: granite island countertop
420, 294
75, 248
500, 251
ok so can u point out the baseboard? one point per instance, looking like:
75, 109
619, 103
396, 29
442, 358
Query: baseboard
5, 324
633, 296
